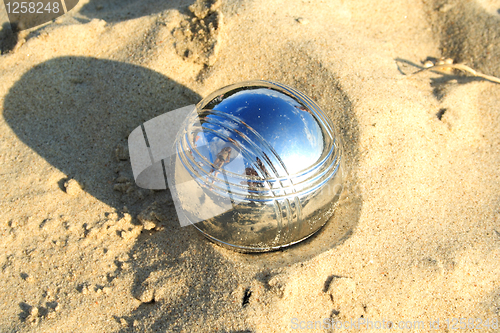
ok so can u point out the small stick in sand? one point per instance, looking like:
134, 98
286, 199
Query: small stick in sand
444, 66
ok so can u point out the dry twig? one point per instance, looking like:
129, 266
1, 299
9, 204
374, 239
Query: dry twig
444, 66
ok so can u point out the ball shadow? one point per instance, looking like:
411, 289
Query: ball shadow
77, 113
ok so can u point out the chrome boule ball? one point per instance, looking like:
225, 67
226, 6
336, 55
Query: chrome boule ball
267, 166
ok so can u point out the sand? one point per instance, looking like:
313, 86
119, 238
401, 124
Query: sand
416, 237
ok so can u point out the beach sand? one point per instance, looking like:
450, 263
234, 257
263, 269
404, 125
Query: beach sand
415, 238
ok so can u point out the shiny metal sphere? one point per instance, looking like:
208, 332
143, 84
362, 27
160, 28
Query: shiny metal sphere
267, 165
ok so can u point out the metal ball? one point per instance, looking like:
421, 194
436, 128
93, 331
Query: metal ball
267, 165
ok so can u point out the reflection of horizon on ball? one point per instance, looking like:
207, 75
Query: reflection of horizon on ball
266, 164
